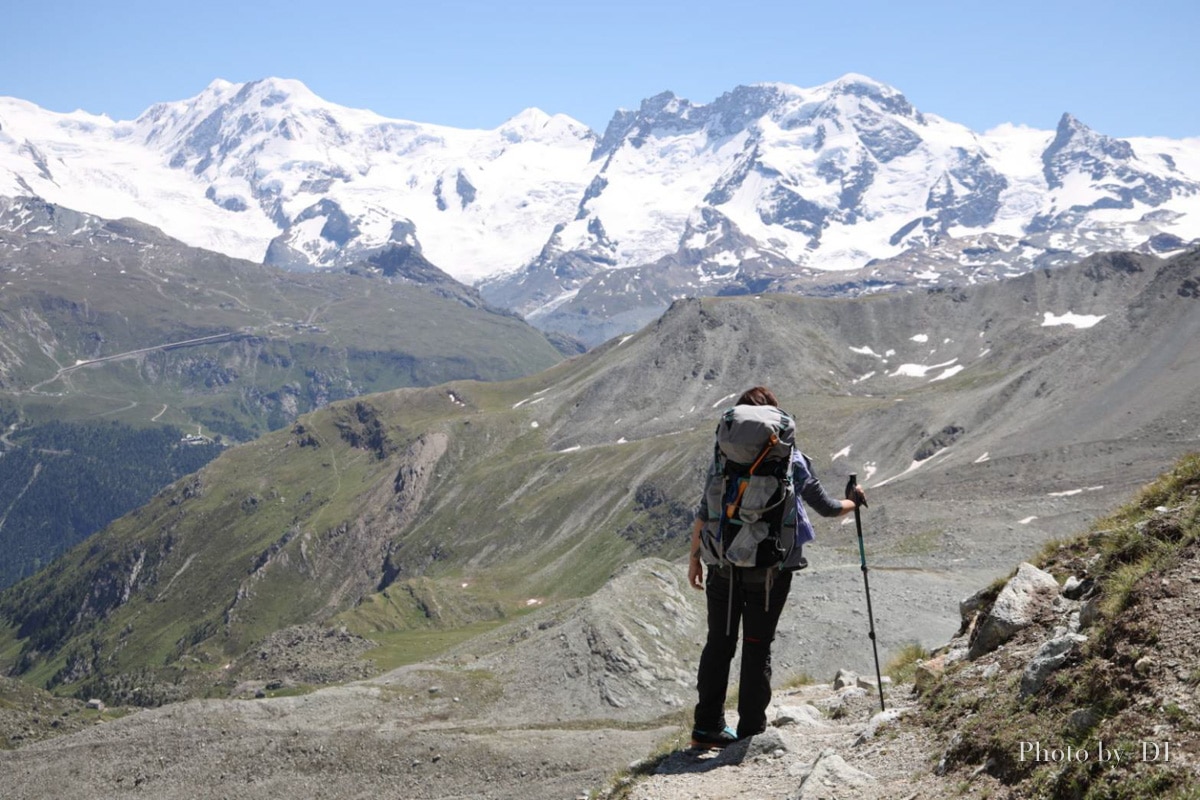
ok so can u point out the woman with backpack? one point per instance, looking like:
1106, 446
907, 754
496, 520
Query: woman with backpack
749, 531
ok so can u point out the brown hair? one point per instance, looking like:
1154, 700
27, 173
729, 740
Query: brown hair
758, 396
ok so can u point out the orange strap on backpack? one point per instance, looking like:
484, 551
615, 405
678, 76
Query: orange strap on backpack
732, 508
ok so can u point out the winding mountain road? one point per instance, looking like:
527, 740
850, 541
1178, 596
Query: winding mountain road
200, 340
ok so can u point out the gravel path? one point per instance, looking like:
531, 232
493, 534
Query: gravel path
821, 743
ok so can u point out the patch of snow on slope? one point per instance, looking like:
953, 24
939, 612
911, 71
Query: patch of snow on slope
949, 373
723, 399
1073, 492
1075, 320
919, 370
913, 467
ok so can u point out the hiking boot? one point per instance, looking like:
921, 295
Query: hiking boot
712, 740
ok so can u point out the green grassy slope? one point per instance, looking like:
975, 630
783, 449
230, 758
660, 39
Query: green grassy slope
104, 321
290, 341
304, 524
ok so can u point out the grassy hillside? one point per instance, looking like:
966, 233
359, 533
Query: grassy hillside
111, 321
309, 521
29, 714
122, 321
1125, 702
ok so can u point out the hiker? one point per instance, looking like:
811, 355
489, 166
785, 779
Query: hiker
750, 564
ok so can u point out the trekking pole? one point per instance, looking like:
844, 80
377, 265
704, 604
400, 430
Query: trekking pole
862, 555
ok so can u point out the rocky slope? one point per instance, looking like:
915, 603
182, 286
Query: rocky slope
529, 714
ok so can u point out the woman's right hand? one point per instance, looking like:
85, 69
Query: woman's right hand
860, 497
696, 573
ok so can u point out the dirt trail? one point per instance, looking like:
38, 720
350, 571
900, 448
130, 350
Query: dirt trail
820, 743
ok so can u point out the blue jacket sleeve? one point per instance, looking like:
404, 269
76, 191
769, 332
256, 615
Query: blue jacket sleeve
809, 487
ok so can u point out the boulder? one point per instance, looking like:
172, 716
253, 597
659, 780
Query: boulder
868, 683
968, 607
837, 702
845, 678
928, 673
831, 776
1082, 720
1049, 657
770, 743
805, 716
1016, 607
878, 722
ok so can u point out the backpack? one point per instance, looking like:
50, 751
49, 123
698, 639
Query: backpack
749, 493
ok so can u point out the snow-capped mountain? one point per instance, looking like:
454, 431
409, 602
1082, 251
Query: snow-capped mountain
843, 187
271, 172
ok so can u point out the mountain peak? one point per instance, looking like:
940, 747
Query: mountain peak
885, 98
525, 124
1069, 123
852, 80
1073, 135
533, 115
664, 101
267, 92
221, 98
651, 111
219, 85
533, 124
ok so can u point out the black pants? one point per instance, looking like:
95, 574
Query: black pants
757, 615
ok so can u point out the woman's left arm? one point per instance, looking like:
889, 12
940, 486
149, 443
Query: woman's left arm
695, 568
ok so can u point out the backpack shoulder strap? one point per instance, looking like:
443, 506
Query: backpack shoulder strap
732, 509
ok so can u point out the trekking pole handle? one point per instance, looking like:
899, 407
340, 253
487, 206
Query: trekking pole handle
851, 485
852, 491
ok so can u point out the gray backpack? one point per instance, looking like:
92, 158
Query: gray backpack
749, 494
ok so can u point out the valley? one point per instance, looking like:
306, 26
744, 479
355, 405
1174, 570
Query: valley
551, 512
108, 322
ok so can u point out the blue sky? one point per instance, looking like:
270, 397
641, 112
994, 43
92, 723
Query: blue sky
1125, 69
